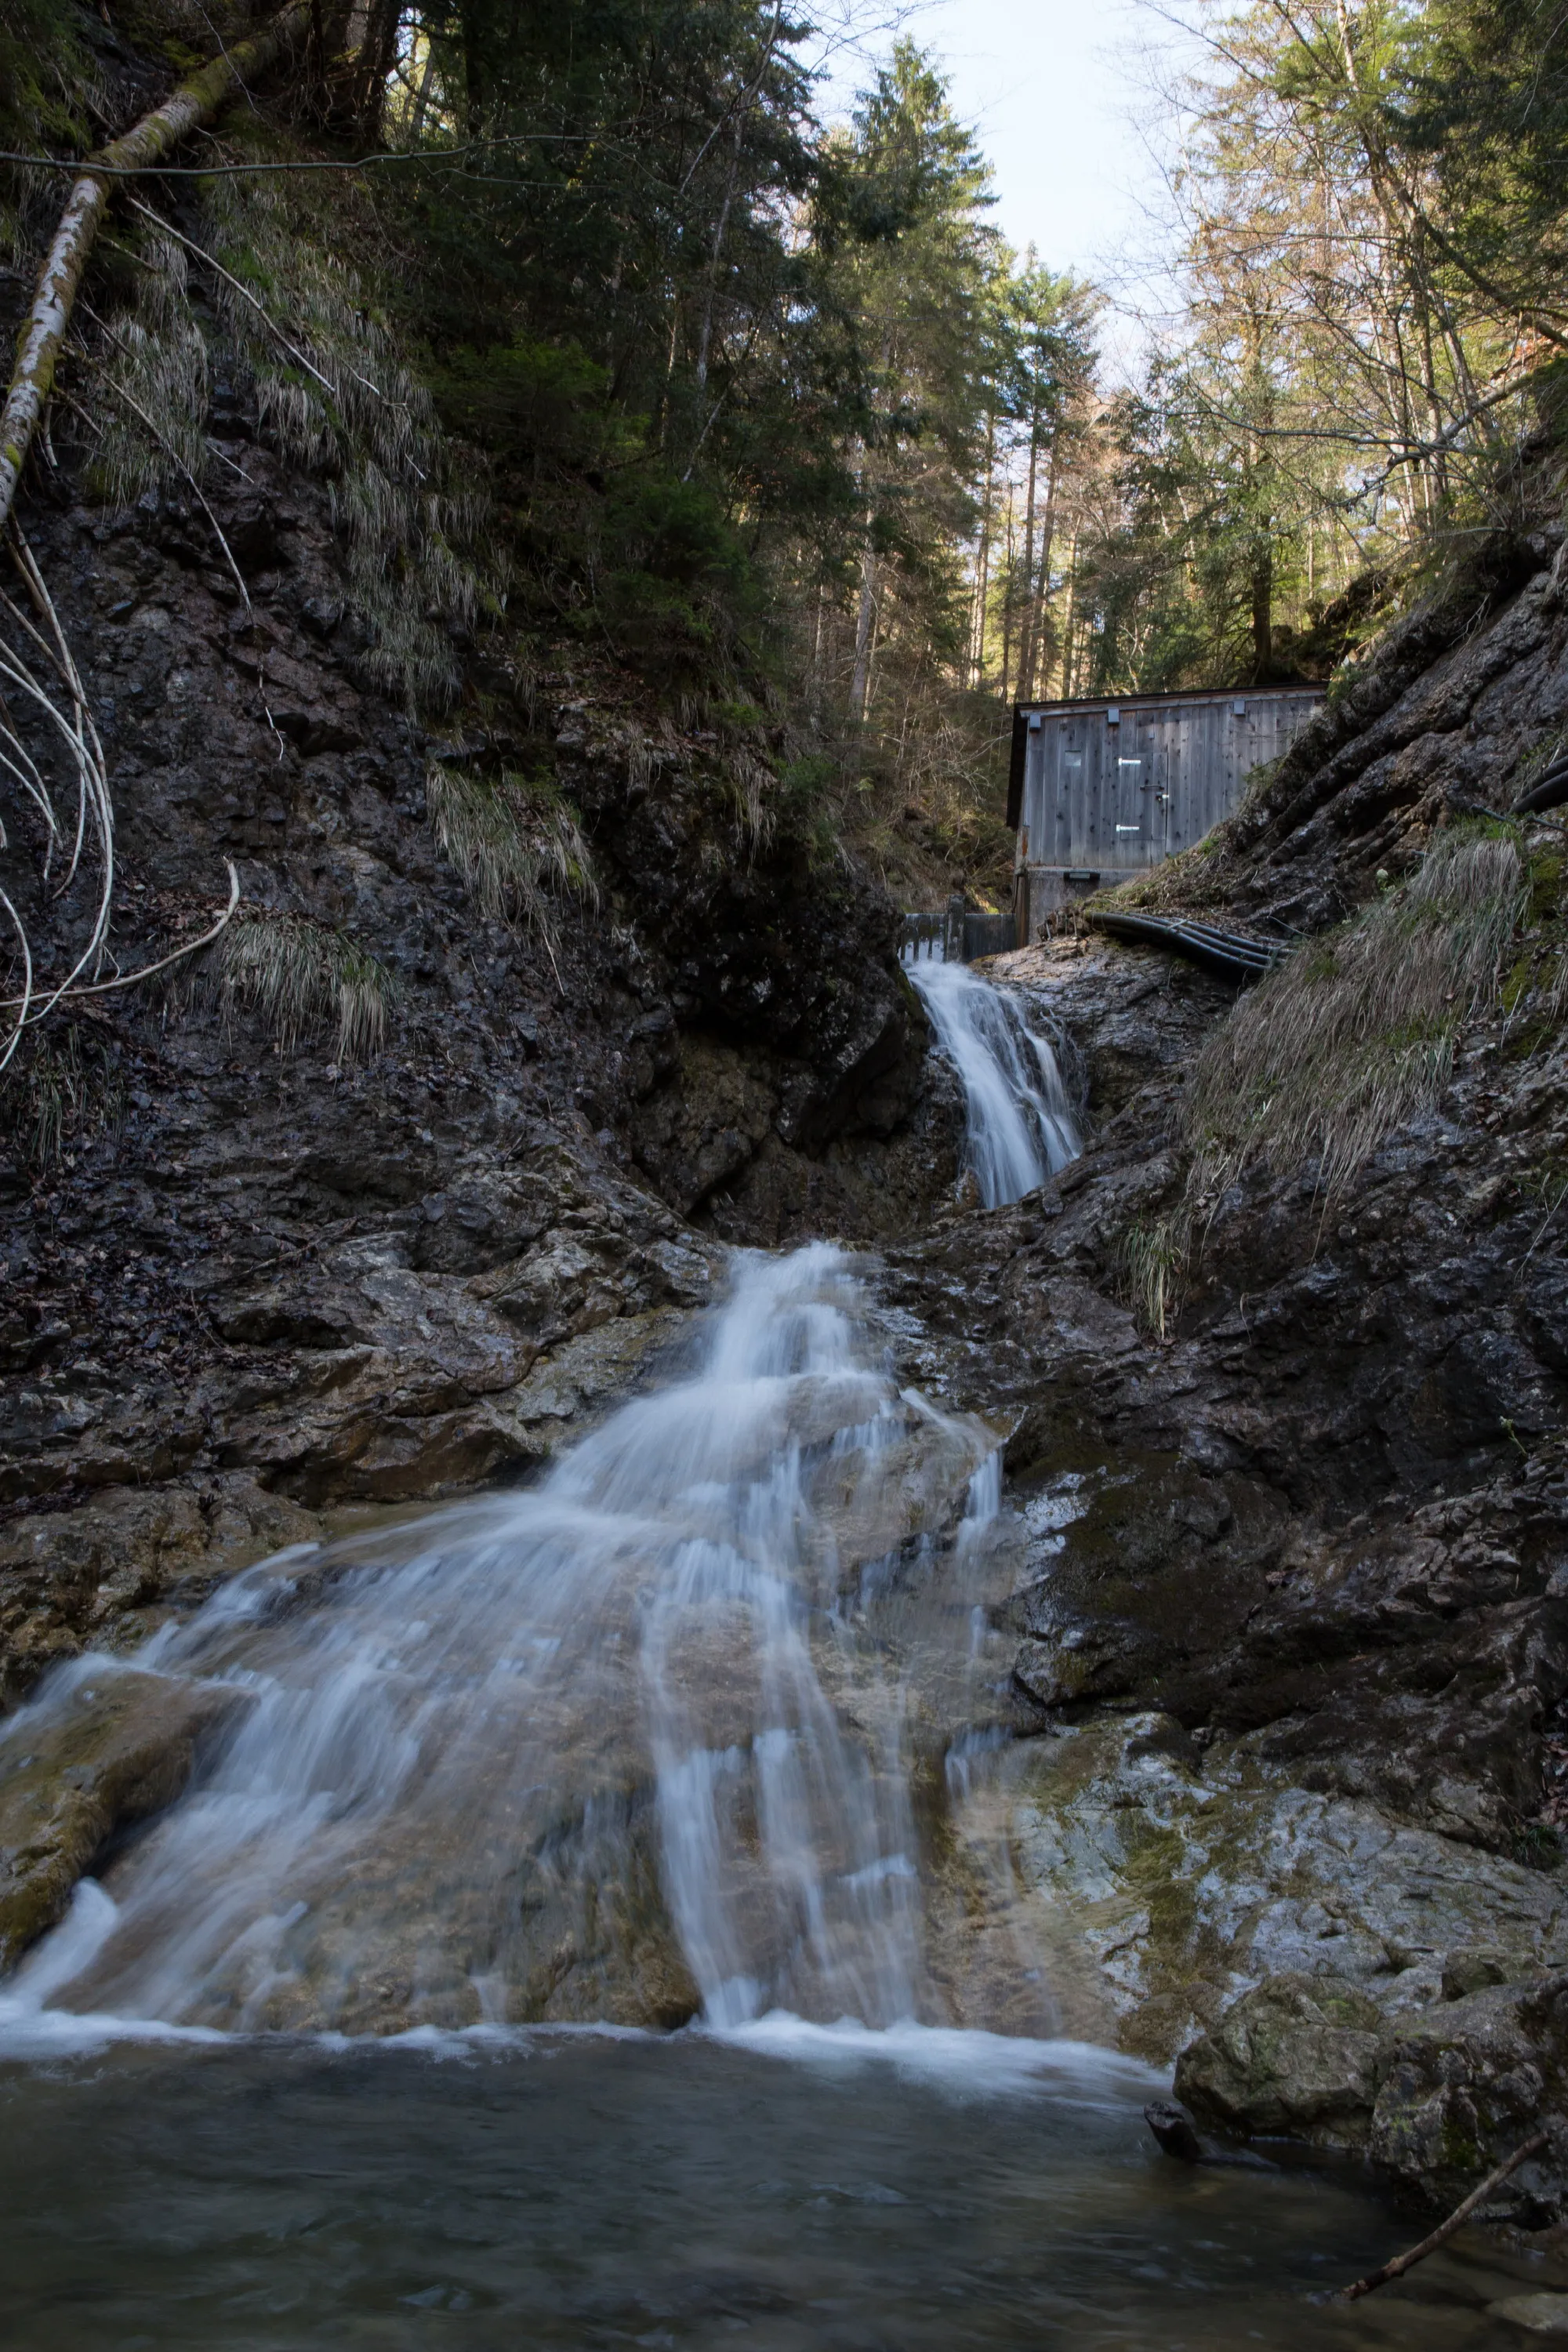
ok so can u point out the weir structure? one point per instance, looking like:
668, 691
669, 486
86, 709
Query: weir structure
1105, 787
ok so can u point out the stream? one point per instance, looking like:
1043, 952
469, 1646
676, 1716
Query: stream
592, 1920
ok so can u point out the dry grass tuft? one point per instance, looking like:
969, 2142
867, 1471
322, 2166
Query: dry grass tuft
363, 421
516, 844
61, 1092
159, 358
1152, 1260
753, 786
643, 762
1355, 1033
297, 973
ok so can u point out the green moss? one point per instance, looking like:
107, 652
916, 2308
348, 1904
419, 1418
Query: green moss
1537, 1846
1160, 1874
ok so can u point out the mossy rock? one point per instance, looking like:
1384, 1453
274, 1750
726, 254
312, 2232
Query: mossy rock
1297, 2056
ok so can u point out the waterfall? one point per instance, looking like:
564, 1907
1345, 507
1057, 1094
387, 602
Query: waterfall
628, 1744
1021, 1127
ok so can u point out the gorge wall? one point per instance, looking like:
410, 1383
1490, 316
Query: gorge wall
1294, 1632
1292, 1637
250, 1277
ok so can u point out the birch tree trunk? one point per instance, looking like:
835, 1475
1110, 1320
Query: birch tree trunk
196, 101
983, 583
1039, 611
1071, 621
711, 293
1007, 602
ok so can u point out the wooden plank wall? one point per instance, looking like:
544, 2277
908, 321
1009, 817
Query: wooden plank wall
1118, 794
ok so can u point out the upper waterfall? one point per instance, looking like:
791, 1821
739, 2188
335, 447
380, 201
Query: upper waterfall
1021, 1127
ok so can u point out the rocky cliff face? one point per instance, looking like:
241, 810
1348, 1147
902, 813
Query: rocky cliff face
1294, 1631
251, 1275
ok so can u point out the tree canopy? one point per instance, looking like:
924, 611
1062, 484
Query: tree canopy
763, 408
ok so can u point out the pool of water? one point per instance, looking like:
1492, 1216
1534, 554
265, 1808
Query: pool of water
793, 2187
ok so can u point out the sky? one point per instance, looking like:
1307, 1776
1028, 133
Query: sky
1043, 83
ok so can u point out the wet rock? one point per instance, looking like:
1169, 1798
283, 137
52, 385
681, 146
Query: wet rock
1168, 1876
699, 1132
106, 1572
1173, 2131
1538, 2315
1297, 2056
1437, 2099
112, 1750
1464, 2083
1469, 1970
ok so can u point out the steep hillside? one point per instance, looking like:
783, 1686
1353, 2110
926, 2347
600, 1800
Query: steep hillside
379, 1193
1285, 1358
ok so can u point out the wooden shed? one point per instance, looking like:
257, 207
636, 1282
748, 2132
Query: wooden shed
1108, 786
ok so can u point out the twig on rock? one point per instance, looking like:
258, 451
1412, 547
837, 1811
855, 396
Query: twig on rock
1461, 2213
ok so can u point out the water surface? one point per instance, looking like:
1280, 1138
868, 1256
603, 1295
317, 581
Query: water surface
583, 2192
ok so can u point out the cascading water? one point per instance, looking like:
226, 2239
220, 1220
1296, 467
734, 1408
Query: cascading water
712, 1721
1021, 1127
483, 1767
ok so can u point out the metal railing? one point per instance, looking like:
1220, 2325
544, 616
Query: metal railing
955, 934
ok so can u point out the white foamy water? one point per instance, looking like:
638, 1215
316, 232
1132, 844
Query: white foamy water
969, 2063
478, 1768
1020, 1124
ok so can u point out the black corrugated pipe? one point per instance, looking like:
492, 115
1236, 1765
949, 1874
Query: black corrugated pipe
1549, 790
1232, 953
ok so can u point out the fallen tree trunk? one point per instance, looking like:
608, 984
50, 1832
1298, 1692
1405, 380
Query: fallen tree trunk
141, 149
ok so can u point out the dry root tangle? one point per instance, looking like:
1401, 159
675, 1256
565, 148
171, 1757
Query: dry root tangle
39, 680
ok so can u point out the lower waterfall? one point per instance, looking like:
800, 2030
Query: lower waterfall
630, 1745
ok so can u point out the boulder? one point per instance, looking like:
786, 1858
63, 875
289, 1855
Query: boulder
1464, 2083
1437, 2099
1297, 2056
114, 1747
